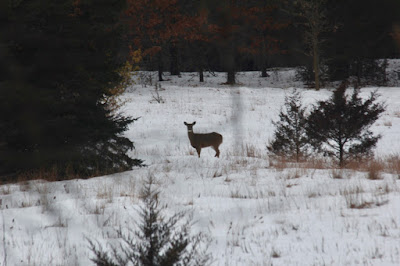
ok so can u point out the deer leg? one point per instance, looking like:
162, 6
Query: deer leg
198, 151
217, 151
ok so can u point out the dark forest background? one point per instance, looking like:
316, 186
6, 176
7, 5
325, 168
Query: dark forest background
336, 38
61, 61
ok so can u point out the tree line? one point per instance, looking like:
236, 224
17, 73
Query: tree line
330, 39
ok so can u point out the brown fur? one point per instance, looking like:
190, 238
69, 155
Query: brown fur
199, 141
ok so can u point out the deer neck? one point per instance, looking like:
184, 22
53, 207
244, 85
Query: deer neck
191, 136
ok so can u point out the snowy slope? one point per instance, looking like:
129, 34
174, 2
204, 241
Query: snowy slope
256, 212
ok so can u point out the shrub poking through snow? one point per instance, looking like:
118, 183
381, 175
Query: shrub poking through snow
157, 240
290, 138
339, 127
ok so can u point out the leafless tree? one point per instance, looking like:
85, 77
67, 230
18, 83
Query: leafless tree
314, 16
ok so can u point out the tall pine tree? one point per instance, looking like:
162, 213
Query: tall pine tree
58, 60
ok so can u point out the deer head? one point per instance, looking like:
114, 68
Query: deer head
190, 126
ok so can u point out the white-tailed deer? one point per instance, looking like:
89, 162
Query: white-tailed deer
199, 141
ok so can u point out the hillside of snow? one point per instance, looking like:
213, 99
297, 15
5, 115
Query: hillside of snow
256, 211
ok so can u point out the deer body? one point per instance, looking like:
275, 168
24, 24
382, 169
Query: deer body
199, 141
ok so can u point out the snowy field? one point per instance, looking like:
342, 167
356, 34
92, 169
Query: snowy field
254, 210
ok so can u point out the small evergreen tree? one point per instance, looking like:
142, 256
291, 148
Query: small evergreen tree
339, 127
290, 138
157, 241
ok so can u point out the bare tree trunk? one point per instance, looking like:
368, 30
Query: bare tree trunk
160, 67
341, 155
174, 63
263, 59
228, 43
264, 73
201, 75
264, 67
314, 14
231, 77
316, 64
230, 63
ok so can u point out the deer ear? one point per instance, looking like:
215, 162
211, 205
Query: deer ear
194, 123
185, 123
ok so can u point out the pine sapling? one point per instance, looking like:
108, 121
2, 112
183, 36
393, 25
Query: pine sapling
290, 138
157, 239
340, 126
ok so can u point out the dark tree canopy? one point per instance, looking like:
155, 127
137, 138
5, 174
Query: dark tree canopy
58, 59
340, 126
361, 33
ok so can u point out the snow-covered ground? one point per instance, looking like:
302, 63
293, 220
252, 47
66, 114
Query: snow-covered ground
255, 211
